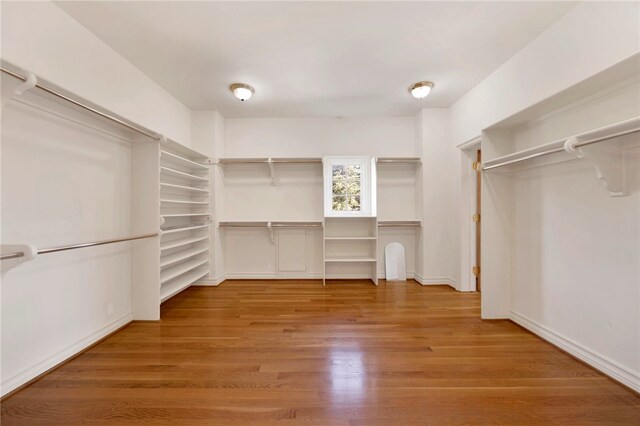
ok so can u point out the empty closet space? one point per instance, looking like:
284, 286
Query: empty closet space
319, 213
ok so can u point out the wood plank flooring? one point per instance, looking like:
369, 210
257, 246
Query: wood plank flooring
292, 352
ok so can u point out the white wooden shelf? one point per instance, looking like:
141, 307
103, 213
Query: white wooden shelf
174, 287
399, 160
350, 238
175, 271
278, 160
399, 224
184, 188
350, 259
183, 175
195, 203
270, 224
175, 229
182, 161
182, 242
184, 151
185, 214
181, 255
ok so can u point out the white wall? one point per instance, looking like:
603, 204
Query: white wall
318, 137
43, 39
62, 183
588, 39
576, 267
440, 186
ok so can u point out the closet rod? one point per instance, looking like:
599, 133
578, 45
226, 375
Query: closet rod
154, 136
77, 246
553, 151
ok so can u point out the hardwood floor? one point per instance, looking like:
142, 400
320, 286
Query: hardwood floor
293, 352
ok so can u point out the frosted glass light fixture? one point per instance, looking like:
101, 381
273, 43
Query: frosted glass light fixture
420, 89
242, 91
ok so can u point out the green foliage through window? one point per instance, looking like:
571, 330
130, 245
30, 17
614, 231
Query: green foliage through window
346, 187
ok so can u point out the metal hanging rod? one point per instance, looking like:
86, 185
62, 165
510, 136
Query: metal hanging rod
561, 149
19, 254
154, 136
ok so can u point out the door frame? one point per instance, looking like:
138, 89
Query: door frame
468, 191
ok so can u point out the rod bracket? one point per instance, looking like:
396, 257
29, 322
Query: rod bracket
16, 87
271, 171
24, 253
608, 161
270, 232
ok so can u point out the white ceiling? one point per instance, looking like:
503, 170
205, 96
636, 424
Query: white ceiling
316, 58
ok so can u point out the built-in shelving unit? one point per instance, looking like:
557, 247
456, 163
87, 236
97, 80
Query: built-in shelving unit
184, 216
351, 241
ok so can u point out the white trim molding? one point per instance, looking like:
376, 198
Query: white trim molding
473, 143
14, 382
607, 366
436, 281
210, 281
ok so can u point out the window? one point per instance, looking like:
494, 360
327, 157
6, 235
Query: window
348, 186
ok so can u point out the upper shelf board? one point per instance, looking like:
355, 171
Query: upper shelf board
606, 132
279, 160
625, 71
398, 160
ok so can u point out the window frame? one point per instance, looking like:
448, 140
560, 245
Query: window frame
366, 195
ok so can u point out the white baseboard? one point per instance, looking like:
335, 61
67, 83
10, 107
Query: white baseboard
31, 373
272, 276
317, 276
210, 281
436, 281
598, 361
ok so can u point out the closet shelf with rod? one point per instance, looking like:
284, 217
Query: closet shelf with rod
20, 253
275, 160
14, 255
271, 225
608, 162
399, 160
82, 104
270, 162
399, 223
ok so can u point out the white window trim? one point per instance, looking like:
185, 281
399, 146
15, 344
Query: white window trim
367, 198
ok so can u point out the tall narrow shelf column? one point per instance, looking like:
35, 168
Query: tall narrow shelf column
185, 218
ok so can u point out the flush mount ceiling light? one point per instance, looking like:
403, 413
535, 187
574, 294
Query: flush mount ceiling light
242, 91
420, 89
